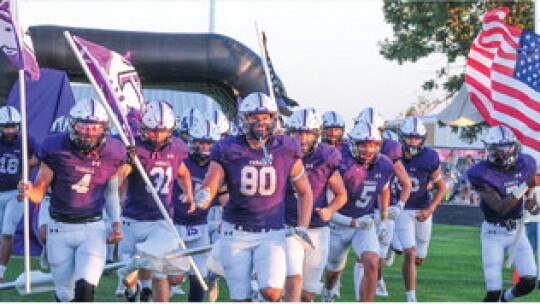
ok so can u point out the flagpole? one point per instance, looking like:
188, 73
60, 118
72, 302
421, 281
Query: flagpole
135, 158
24, 152
24, 136
265, 64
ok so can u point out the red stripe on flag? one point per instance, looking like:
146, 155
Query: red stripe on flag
517, 94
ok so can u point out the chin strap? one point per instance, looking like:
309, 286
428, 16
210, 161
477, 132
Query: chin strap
267, 159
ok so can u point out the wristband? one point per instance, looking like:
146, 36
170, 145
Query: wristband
520, 190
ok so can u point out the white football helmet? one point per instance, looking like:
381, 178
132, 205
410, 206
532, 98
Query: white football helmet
363, 133
188, 118
412, 127
9, 116
332, 119
205, 130
388, 134
221, 121
10, 121
371, 116
258, 103
501, 146
202, 137
304, 120
157, 116
88, 124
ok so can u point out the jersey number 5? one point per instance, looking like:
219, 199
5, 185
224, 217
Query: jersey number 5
255, 180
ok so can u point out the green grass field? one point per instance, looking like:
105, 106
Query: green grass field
451, 273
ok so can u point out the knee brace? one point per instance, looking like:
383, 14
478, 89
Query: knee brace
196, 292
84, 291
524, 286
493, 296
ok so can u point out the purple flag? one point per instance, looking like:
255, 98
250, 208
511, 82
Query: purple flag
118, 80
19, 50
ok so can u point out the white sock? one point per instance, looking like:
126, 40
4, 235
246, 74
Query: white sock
411, 296
146, 283
110, 252
2, 270
358, 275
508, 295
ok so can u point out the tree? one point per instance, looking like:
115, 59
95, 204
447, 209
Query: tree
422, 28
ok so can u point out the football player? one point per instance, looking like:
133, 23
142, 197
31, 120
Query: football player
162, 157
413, 225
305, 266
256, 167
333, 130
392, 149
11, 211
503, 181
193, 227
366, 174
80, 167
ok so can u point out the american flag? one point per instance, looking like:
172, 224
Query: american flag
502, 77
18, 48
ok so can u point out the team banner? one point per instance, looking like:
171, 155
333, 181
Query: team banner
118, 80
502, 77
20, 52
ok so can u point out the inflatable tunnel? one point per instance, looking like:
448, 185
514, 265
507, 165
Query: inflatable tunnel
211, 64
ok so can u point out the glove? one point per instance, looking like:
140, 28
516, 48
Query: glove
395, 211
301, 235
383, 232
364, 222
202, 198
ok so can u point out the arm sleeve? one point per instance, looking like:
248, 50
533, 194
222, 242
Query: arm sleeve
112, 200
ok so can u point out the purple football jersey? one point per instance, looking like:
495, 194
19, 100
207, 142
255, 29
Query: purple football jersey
80, 180
198, 217
392, 149
485, 174
162, 169
419, 169
364, 184
11, 162
256, 189
320, 165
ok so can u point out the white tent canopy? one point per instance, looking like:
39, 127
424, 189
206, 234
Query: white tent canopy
461, 112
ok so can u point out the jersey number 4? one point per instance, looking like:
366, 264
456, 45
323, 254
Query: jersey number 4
255, 180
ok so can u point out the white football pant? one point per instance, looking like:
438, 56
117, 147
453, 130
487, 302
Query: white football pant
75, 251
342, 238
412, 233
196, 236
309, 263
11, 211
495, 240
243, 253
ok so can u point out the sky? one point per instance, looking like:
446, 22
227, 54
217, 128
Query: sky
324, 51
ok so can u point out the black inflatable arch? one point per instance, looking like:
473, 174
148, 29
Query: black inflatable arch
211, 64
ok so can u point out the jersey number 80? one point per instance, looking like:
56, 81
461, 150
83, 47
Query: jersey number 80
255, 180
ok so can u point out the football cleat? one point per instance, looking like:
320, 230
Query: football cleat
146, 295
381, 288
390, 257
132, 295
